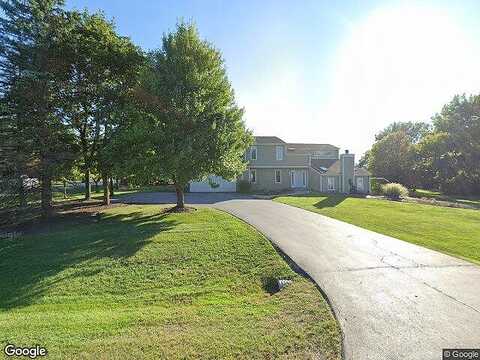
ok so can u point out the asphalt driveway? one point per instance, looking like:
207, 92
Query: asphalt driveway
394, 300
171, 198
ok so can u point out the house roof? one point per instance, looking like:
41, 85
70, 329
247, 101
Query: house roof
268, 140
322, 165
359, 171
306, 145
277, 140
334, 168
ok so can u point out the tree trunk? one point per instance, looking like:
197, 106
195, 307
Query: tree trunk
106, 190
88, 188
180, 196
21, 193
46, 194
64, 189
111, 187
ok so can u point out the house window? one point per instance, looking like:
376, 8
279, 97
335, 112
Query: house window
278, 176
304, 178
331, 184
279, 152
253, 176
253, 153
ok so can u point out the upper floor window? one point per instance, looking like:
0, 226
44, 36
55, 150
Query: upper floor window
253, 153
279, 152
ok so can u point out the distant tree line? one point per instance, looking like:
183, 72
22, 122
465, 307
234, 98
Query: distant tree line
443, 155
77, 98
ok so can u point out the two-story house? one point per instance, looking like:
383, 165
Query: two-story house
274, 165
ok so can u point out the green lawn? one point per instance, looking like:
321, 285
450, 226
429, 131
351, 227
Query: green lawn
460, 199
139, 283
12, 215
449, 230
79, 193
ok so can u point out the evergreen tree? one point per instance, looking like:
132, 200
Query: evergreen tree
32, 72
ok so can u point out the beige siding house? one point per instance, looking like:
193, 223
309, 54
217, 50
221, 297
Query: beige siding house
274, 165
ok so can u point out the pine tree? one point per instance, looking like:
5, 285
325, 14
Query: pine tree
31, 75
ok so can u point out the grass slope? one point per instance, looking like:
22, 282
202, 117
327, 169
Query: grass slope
139, 283
460, 199
452, 231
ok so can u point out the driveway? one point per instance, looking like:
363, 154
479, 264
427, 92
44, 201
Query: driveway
393, 300
171, 198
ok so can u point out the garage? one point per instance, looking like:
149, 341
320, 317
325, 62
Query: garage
213, 184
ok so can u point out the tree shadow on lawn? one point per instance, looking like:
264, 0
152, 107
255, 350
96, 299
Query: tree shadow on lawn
28, 264
330, 201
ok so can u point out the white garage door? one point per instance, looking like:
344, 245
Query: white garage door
213, 184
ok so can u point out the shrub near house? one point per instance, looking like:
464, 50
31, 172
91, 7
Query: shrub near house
394, 191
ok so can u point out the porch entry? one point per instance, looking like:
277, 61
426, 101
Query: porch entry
298, 178
360, 184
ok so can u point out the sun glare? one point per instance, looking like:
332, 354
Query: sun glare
399, 64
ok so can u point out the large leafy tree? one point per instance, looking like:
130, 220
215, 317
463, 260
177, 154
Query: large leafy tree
191, 125
32, 71
415, 131
444, 157
393, 154
392, 157
432, 162
104, 71
453, 153
363, 162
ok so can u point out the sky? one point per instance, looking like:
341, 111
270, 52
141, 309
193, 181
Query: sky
325, 71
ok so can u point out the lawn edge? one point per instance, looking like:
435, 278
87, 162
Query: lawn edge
297, 269
456, 256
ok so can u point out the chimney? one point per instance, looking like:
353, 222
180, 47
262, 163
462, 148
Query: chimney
347, 168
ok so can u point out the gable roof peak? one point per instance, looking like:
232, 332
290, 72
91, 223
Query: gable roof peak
268, 140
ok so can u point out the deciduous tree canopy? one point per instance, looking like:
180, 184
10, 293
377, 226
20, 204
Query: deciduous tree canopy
392, 158
445, 156
104, 70
191, 126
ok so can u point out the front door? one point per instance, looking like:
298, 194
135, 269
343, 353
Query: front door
298, 178
360, 187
